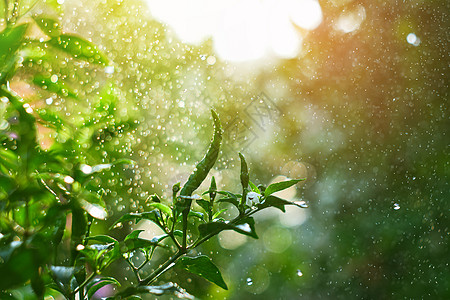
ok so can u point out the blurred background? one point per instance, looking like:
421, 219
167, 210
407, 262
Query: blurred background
352, 95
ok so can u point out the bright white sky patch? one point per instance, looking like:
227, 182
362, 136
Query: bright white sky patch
241, 30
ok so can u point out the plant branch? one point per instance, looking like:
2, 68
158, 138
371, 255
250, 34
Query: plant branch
135, 270
162, 268
81, 286
185, 224
172, 236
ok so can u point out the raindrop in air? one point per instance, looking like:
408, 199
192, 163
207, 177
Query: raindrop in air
249, 281
413, 39
109, 69
69, 180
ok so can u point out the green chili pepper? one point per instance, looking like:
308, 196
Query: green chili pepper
203, 167
201, 171
244, 180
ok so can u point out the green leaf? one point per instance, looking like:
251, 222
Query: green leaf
204, 267
153, 216
154, 198
128, 217
98, 283
273, 201
106, 253
206, 205
54, 84
218, 213
49, 26
50, 118
137, 243
102, 238
38, 286
163, 208
79, 48
134, 234
19, 263
79, 228
212, 228
245, 226
233, 201
160, 238
254, 188
279, 186
231, 198
133, 242
11, 39
9, 159
26, 129
196, 214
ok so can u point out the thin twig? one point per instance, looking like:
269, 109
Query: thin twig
162, 268
78, 288
135, 270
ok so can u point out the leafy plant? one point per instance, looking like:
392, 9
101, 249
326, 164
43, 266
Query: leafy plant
49, 196
178, 220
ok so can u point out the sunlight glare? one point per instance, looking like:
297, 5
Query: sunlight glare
306, 14
239, 36
241, 30
285, 40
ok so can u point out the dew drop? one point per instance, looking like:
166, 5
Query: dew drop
299, 273
86, 169
118, 225
301, 204
69, 180
396, 206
